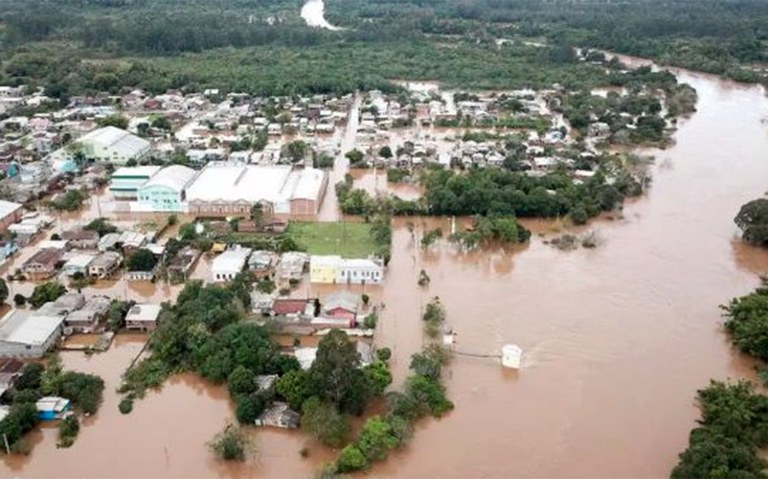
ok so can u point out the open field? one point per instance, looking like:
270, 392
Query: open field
350, 240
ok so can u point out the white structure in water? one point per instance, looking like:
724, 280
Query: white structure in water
511, 356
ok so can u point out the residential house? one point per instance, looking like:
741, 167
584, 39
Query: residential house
229, 263
183, 262
143, 317
279, 414
105, 264
87, 319
108, 241
63, 305
335, 269
294, 308
292, 265
42, 265
262, 262
10, 213
81, 239
343, 307
77, 264
28, 334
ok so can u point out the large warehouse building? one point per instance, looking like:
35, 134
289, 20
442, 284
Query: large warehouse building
114, 145
227, 189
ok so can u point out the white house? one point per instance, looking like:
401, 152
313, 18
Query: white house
361, 271
229, 263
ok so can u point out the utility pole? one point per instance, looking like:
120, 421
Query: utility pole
7, 447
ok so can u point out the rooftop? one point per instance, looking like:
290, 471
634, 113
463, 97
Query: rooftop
175, 177
144, 312
28, 327
112, 137
231, 260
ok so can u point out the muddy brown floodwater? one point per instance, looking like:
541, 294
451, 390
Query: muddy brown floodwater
617, 339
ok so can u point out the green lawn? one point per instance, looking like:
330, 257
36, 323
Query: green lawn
350, 240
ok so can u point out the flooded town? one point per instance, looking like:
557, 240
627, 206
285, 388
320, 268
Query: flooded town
520, 282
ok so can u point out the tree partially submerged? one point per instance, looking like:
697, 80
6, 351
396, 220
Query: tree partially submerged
753, 221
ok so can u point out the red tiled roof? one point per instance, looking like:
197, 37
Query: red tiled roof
289, 306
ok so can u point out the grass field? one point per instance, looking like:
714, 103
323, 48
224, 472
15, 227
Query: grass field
350, 240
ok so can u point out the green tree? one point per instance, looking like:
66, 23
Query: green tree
101, 226
30, 377
117, 121
242, 381
379, 377
3, 291
142, 260
322, 421
753, 221
294, 387
46, 292
747, 321
355, 157
376, 439
351, 459
385, 152
336, 376
249, 408
230, 444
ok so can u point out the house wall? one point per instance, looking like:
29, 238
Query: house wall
303, 207
161, 198
141, 325
18, 350
366, 275
222, 208
323, 273
9, 219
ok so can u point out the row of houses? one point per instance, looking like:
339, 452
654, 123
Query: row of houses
32, 333
293, 265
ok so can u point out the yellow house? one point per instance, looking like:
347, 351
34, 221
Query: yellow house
324, 269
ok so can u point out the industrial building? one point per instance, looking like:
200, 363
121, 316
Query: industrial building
27, 334
126, 181
166, 189
227, 189
114, 145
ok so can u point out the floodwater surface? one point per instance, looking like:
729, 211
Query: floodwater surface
617, 339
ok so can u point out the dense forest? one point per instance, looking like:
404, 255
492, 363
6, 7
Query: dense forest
264, 46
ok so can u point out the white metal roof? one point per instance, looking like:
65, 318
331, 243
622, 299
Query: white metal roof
79, 261
254, 183
144, 312
134, 172
304, 184
231, 260
229, 182
25, 328
115, 138
8, 207
175, 177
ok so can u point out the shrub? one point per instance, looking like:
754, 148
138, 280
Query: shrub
126, 405
230, 444
68, 430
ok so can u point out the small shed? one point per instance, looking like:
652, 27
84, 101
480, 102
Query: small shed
50, 408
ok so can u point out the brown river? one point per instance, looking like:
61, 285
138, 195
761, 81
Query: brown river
617, 339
